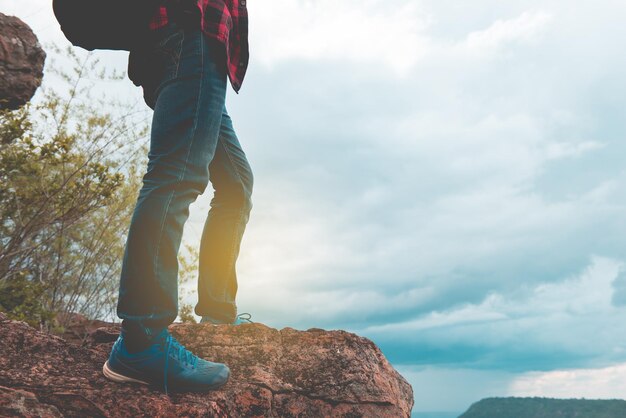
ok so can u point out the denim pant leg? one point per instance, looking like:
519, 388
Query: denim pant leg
189, 101
232, 180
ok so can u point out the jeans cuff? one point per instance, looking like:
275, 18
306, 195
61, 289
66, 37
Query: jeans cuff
220, 311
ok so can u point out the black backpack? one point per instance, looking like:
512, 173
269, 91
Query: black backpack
105, 24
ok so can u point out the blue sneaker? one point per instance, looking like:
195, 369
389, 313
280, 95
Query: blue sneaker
242, 318
165, 363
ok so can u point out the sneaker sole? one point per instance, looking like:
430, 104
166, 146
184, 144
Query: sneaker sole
120, 378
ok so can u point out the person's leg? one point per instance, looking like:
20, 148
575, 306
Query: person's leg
189, 101
232, 180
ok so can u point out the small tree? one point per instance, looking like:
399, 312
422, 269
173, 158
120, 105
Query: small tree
68, 184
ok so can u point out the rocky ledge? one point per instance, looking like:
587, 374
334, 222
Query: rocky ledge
275, 373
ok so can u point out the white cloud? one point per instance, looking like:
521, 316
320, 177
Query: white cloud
370, 32
599, 383
541, 327
588, 293
524, 28
367, 31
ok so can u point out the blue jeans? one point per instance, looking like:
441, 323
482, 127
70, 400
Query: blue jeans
192, 142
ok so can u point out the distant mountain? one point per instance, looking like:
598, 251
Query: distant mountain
546, 408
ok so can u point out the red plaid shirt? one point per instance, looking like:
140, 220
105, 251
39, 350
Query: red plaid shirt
226, 21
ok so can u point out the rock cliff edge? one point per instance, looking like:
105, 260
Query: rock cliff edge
275, 373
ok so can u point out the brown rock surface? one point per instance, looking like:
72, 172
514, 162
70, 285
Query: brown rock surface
275, 373
21, 403
21, 62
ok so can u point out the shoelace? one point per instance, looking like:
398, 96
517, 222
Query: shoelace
245, 316
182, 354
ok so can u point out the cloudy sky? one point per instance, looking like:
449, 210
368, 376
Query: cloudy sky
446, 178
